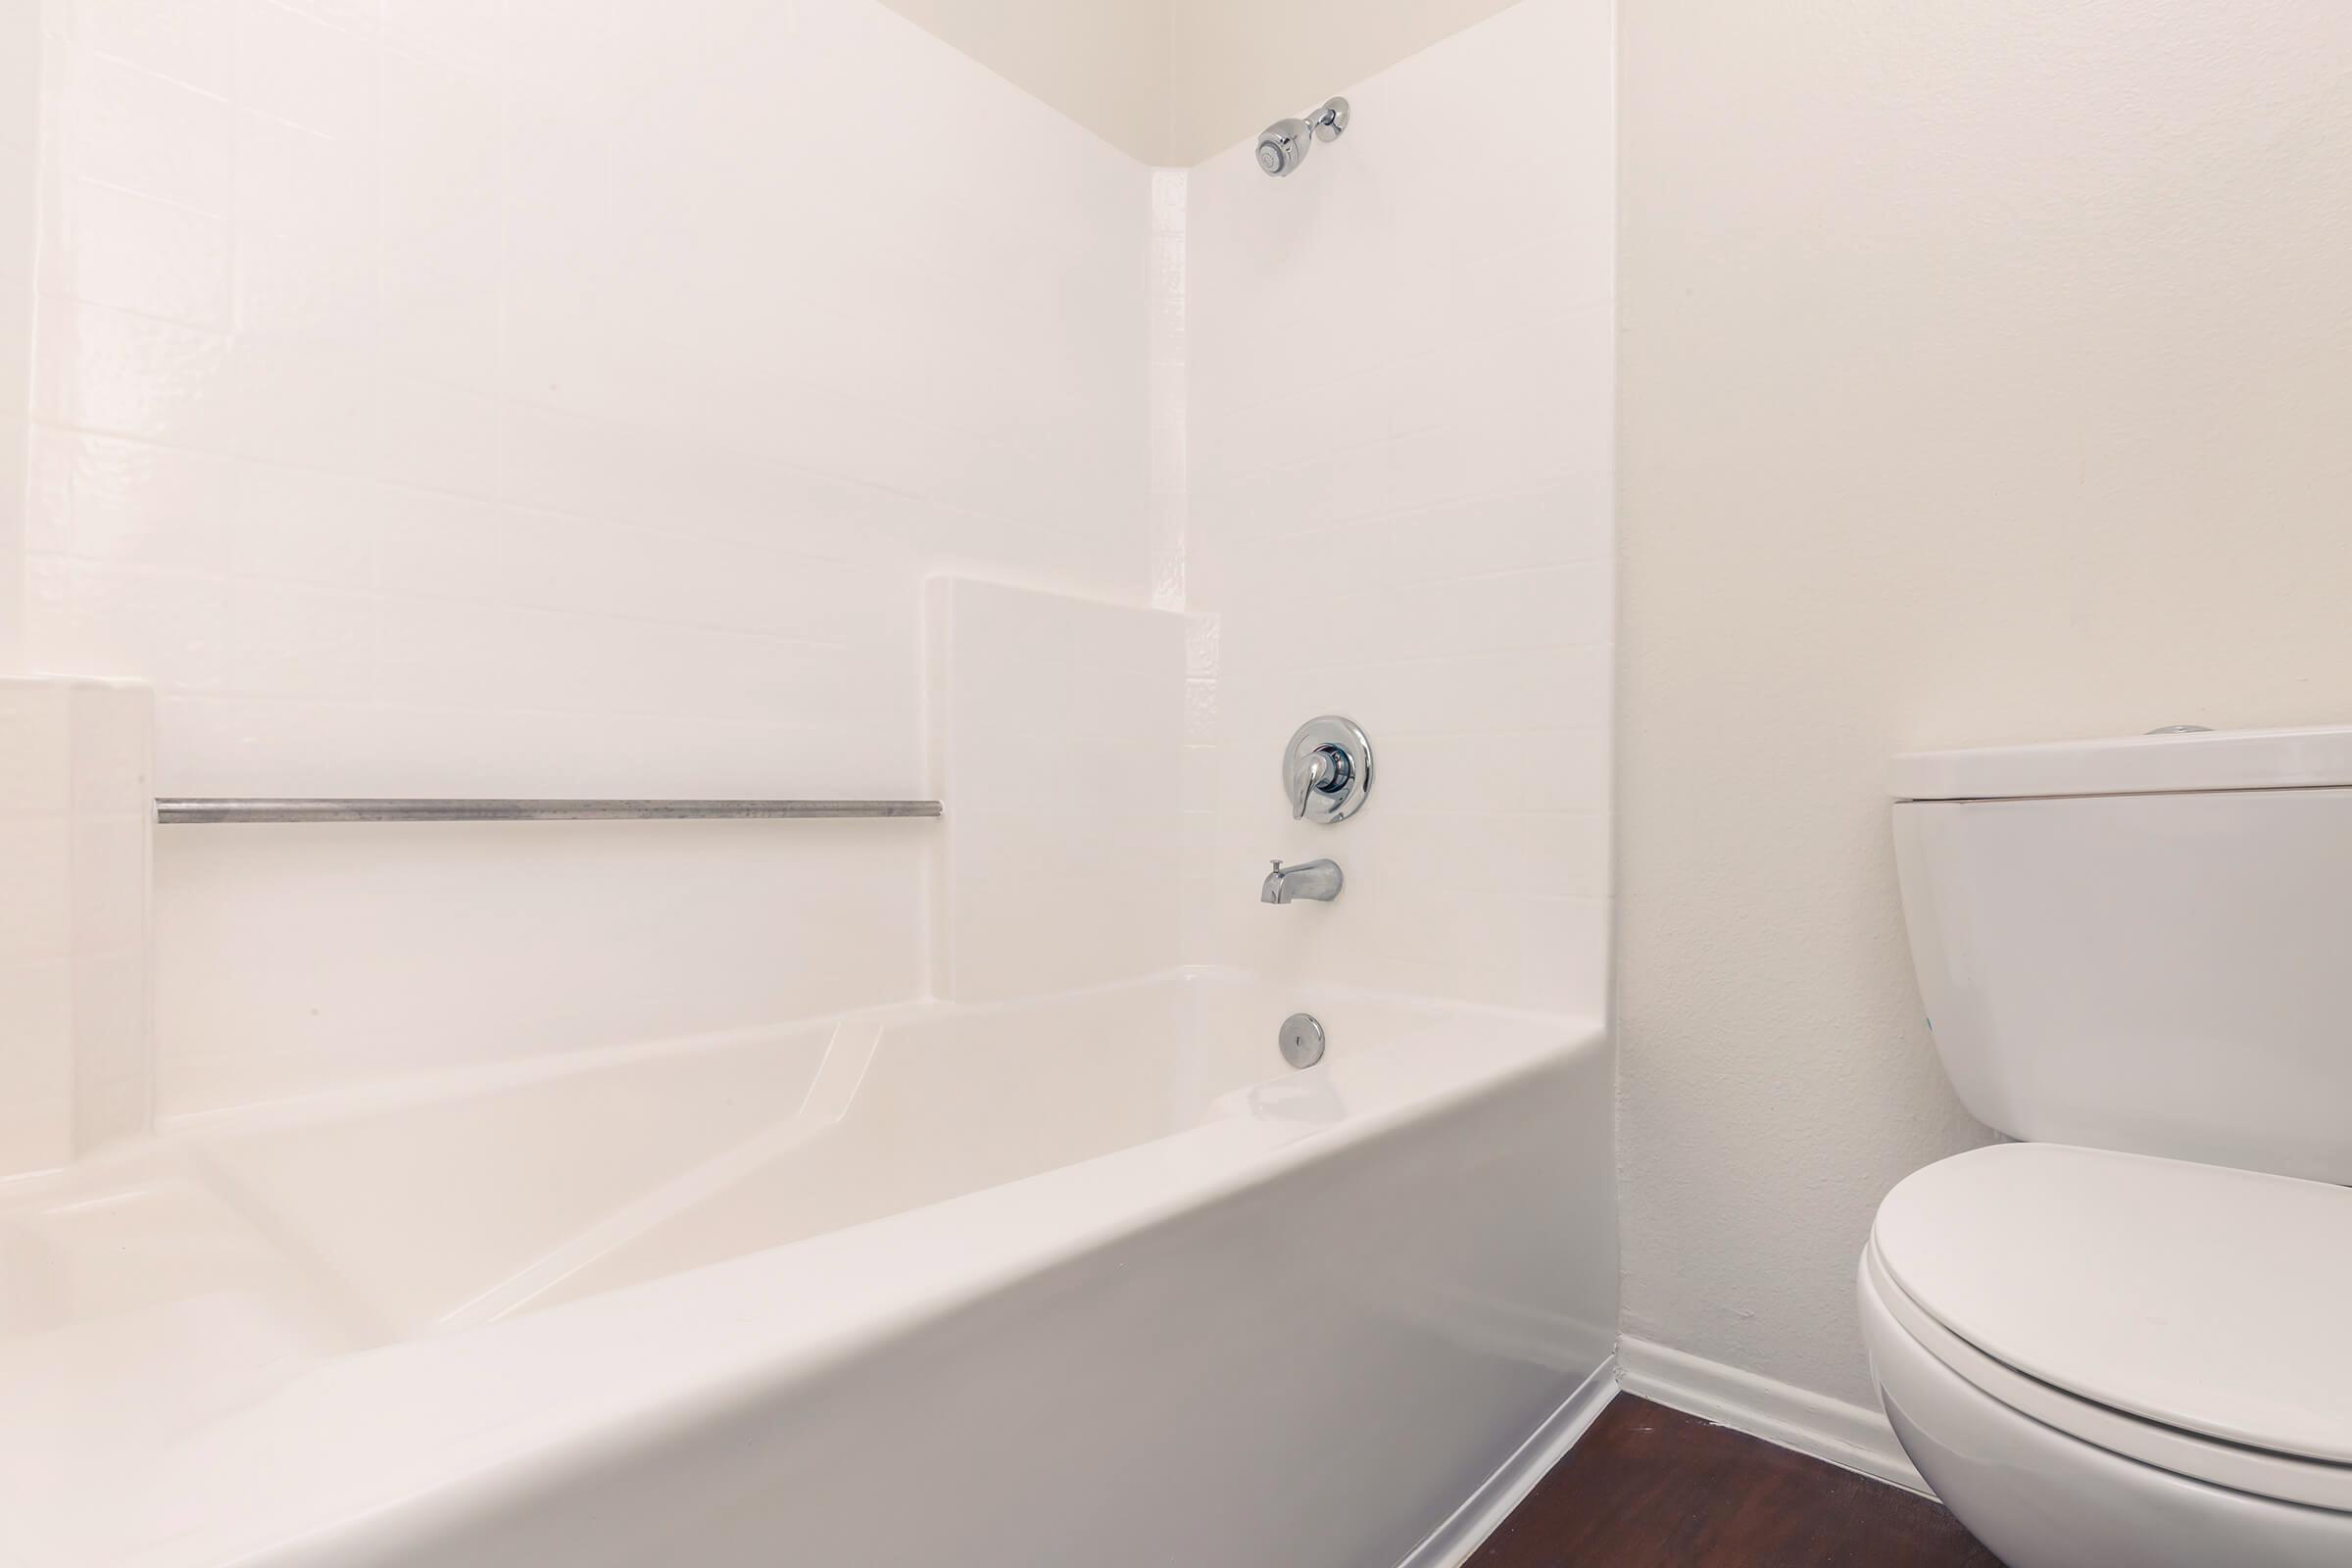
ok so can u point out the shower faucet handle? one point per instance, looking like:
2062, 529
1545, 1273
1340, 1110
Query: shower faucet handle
1327, 770
1321, 770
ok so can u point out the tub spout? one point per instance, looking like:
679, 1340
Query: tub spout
1316, 879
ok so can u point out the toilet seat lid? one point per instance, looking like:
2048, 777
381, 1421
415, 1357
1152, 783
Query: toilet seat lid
2213, 1300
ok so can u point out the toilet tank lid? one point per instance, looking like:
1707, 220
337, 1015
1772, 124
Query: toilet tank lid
2132, 764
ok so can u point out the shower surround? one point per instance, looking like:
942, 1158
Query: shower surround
1400, 379
434, 401
441, 401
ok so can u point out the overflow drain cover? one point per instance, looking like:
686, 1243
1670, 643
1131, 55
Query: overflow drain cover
1301, 1039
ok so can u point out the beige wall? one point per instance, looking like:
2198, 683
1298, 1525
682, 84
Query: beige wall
1104, 63
1985, 375
1175, 81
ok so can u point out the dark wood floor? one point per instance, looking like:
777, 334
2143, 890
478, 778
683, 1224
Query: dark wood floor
1648, 1485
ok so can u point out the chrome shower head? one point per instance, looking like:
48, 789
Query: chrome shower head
1284, 145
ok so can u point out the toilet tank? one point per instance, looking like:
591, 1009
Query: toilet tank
2141, 943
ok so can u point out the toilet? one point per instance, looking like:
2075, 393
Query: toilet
2125, 1339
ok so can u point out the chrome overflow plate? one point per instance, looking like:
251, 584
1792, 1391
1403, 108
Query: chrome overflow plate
1301, 1039
1327, 770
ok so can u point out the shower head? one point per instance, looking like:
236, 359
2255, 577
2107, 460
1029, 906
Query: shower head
1282, 146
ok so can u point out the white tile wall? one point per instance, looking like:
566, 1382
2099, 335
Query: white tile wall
298, 958
1168, 345
1399, 509
20, 163
76, 788
407, 367
547, 398
1170, 408
1057, 725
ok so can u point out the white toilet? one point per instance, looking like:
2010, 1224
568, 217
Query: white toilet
2126, 1342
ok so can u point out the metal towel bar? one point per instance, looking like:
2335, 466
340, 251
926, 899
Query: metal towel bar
456, 810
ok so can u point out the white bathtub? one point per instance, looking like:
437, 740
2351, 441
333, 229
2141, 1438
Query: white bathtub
1088, 1281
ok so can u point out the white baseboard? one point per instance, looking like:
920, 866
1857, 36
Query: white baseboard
1468, 1526
1848, 1436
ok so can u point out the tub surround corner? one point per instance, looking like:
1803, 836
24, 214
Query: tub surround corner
77, 817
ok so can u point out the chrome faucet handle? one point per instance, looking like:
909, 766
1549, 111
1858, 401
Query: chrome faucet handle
1320, 769
1326, 769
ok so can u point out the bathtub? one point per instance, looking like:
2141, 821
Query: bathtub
1091, 1280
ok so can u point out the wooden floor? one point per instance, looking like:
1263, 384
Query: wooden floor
1648, 1486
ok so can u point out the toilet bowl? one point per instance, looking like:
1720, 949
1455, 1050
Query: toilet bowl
2126, 1341
2100, 1359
